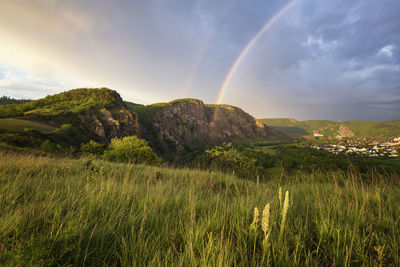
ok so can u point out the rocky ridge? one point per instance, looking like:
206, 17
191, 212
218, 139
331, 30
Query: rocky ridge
189, 123
101, 114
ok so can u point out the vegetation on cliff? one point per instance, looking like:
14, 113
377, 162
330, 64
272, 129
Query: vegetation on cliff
70, 102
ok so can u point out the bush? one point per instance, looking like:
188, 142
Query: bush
19, 140
229, 159
131, 149
93, 148
48, 146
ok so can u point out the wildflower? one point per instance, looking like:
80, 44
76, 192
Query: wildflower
265, 226
256, 216
284, 213
265, 220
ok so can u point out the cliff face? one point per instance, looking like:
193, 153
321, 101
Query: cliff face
190, 123
183, 123
232, 122
106, 124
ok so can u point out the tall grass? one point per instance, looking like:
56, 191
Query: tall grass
77, 212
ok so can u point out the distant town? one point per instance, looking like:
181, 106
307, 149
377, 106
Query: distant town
370, 148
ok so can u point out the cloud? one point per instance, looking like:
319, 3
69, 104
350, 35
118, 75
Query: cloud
22, 85
327, 60
320, 59
386, 51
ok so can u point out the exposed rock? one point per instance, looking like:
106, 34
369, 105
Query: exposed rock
189, 123
106, 124
345, 131
181, 123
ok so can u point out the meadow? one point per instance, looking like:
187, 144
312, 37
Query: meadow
18, 125
65, 211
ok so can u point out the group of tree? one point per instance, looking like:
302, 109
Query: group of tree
5, 100
129, 149
70, 102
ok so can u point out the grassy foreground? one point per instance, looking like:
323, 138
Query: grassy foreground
56, 211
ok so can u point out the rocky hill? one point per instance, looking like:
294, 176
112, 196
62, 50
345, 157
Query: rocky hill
357, 129
189, 123
98, 114
101, 114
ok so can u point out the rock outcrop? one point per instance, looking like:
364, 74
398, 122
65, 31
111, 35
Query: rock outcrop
188, 123
106, 124
345, 131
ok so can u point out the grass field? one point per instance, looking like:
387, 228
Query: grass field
20, 125
59, 211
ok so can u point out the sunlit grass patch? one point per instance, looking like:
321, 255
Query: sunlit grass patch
20, 125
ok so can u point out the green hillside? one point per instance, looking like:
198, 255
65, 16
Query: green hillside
70, 102
20, 125
367, 129
56, 119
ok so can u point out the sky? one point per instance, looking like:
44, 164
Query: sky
330, 59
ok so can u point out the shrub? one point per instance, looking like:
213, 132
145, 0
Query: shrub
93, 148
48, 146
131, 149
229, 159
19, 140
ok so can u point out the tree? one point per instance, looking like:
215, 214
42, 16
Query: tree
131, 149
229, 159
93, 148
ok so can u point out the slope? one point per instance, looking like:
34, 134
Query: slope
358, 129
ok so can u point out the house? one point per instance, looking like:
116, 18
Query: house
318, 135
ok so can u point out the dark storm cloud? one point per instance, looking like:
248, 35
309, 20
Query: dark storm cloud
331, 59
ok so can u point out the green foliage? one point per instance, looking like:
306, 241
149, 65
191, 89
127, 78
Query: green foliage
146, 114
48, 146
93, 148
70, 102
296, 158
5, 100
131, 149
19, 140
229, 159
243, 162
12, 110
361, 129
67, 212
19, 125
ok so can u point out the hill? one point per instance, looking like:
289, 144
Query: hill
184, 124
358, 129
80, 115
76, 115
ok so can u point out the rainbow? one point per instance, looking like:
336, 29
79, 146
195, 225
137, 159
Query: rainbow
248, 47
